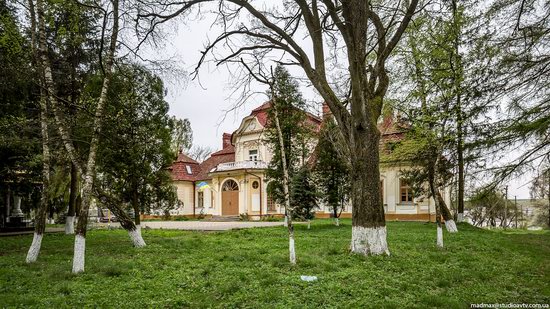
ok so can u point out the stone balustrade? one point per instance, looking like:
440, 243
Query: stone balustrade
239, 165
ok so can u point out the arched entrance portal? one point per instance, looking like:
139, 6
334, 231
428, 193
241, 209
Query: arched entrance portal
230, 198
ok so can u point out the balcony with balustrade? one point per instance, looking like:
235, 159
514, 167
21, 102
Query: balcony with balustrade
240, 165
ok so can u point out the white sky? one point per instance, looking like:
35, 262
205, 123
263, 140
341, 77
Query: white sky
205, 103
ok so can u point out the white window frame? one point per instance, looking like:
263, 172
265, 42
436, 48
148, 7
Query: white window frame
253, 155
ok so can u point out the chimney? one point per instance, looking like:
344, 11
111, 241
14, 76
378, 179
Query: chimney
226, 140
326, 110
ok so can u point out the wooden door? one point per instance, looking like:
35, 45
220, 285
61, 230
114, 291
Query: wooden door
230, 203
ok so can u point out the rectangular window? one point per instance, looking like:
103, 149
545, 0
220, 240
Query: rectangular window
253, 155
188, 169
270, 204
405, 191
201, 199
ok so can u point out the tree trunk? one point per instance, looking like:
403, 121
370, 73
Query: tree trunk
458, 72
40, 219
369, 226
449, 222
286, 191
134, 231
137, 239
460, 195
135, 206
73, 195
435, 194
80, 239
336, 216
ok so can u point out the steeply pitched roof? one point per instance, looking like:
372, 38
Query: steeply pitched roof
226, 154
185, 159
261, 114
182, 166
223, 156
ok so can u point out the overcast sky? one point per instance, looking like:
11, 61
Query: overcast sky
205, 101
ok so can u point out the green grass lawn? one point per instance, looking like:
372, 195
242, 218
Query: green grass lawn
249, 268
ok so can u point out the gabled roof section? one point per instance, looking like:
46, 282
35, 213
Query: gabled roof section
184, 168
261, 114
185, 159
223, 156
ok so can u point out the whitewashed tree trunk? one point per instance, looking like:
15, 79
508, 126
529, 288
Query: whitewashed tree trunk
135, 236
34, 250
308, 224
439, 236
369, 241
337, 221
79, 253
286, 190
450, 225
69, 225
80, 243
40, 217
460, 217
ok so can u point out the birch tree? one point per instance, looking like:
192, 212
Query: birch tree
288, 208
287, 134
87, 170
40, 219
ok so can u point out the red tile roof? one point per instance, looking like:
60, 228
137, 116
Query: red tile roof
178, 169
223, 156
261, 114
185, 159
226, 154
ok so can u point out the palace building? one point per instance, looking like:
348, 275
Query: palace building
232, 182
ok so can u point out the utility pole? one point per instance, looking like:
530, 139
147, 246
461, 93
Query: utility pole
505, 205
516, 210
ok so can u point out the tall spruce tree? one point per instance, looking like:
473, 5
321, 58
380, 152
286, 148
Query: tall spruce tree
294, 128
288, 134
303, 194
331, 170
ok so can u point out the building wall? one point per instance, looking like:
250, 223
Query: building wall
251, 136
391, 196
184, 190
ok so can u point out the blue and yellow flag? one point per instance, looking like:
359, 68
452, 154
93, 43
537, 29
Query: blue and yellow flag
202, 185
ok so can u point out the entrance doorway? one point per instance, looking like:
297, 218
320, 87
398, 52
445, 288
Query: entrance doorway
230, 198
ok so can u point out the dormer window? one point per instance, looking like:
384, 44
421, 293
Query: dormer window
188, 169
253, 155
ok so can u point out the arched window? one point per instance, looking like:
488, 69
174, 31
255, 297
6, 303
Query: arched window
230, 185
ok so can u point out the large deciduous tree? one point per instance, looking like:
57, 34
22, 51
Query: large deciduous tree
362, 35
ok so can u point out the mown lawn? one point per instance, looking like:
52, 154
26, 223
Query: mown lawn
249, 268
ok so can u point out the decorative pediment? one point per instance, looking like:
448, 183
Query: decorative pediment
251, 125
248, 125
